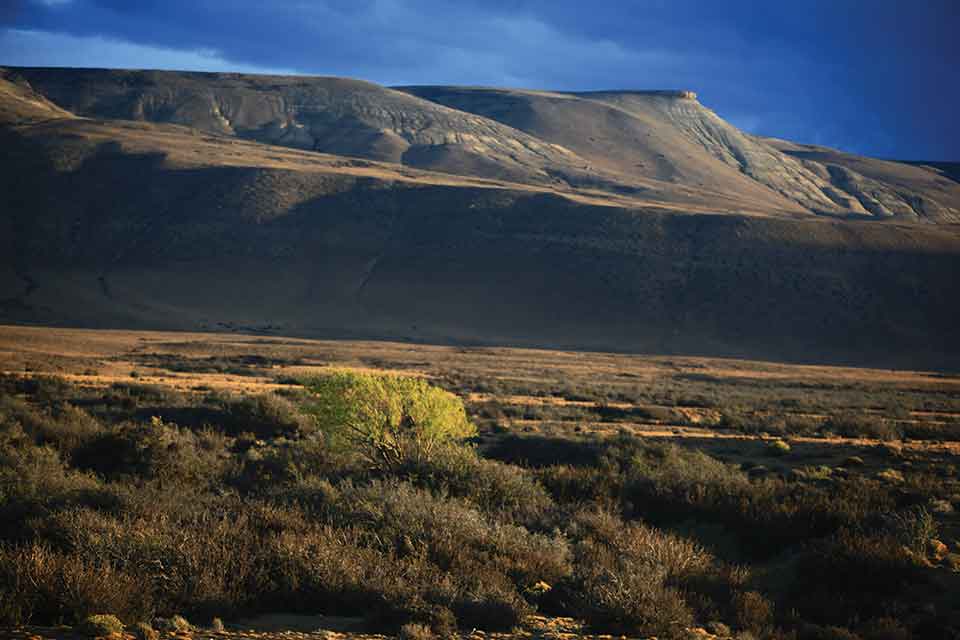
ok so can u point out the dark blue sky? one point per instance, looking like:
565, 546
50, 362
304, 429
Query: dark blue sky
879, 77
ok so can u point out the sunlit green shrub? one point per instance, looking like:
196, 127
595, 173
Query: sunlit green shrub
387, 419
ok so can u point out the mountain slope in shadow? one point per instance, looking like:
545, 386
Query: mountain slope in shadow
128, 223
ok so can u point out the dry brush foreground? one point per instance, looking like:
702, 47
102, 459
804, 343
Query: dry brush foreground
154, 474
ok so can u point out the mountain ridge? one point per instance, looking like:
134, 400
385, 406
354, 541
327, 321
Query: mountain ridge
667, 146
154, 224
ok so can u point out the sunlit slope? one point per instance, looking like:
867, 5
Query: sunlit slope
670, 135
332, 115
20, 103
884, 187
625, 142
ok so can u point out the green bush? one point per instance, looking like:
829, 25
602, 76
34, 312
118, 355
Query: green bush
387, 419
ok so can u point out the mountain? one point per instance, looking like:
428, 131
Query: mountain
671, 136
659, 146
629, 221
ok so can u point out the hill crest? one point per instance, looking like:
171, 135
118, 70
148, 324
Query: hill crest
627, 221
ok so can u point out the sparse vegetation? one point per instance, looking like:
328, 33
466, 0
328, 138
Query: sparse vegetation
149, 503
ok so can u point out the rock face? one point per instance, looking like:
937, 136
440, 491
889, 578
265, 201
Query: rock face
680, 235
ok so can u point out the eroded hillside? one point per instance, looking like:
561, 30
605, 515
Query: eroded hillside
127, 223
671, 136
652, 146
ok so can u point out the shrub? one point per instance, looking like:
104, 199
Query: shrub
174, 624
282, 463
507, 492
193, 557
333, 571
266, 416
179, 623
914, 528
398, 518
883, 629
854, 575
577, 486
817, 632
753, 612
38, 582
778, 448
387, 419
155, 450
65, 427
677, 556
491, 605
626, 575
100, 625
46, 389
857, 425
414, 631
621, 594
143, 631
34, 481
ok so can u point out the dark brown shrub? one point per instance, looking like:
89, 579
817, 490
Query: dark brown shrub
854, 575
266, 416
452, 533
616, 594
883, 629
414, 631
505, 491
862, 425
626, 575
156, 450
38, 583
753, 612
817, 632
64, 426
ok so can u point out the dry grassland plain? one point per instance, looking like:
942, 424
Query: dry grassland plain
796, 427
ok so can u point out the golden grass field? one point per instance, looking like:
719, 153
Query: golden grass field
513, 378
